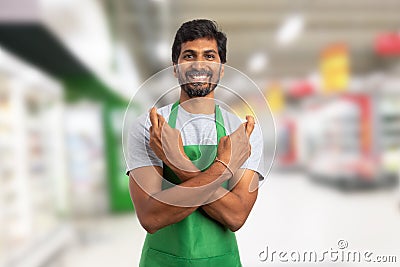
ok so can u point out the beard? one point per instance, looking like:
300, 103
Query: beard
198, 89
194, 87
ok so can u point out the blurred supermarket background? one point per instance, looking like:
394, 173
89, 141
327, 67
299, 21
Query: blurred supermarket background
329, 69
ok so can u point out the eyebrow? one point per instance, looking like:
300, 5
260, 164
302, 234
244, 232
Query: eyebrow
194, 52
210, 51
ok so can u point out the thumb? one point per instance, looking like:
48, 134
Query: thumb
249, 125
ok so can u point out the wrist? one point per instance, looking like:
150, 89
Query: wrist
185, 175
185, 169
223, 168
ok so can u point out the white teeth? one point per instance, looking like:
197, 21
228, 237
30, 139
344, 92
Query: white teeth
202, 77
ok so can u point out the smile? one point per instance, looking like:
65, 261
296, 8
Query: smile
199, 78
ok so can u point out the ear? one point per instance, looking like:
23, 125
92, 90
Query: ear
222, 70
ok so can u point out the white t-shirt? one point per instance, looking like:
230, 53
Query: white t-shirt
195, 129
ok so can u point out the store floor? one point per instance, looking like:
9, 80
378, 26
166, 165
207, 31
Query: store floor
103, 242
291, 215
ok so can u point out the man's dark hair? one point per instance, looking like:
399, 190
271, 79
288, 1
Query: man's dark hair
196, 29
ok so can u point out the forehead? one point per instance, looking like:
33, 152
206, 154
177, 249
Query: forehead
199, 45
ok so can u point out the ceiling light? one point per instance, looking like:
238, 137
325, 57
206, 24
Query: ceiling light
290, 29
257, 62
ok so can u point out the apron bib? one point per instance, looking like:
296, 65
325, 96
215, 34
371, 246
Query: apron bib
197, 240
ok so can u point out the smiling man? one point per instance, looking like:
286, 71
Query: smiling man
193, 166
196, 76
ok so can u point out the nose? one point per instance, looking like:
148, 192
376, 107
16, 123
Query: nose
198, 64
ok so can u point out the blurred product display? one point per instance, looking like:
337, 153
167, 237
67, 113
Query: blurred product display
86, 160
389, 110
347, 141
33, 184
287, 155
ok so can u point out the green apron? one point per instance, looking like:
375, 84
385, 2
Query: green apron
197, 240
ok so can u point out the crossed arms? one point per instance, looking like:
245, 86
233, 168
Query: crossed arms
158, 208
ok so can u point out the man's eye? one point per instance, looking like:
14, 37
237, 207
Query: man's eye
187, 56
210, 56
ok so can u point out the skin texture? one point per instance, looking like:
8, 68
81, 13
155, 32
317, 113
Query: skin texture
158, 208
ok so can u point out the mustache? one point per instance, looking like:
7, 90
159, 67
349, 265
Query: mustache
199, 73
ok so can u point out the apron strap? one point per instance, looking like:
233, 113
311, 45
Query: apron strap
173, 115
219, 123
219, 120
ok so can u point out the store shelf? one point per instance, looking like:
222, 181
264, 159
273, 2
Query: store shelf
28, 153
390, 123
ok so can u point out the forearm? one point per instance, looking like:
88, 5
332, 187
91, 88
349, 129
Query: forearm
174, 204
229, 210
185, 169
159, 215
195, 191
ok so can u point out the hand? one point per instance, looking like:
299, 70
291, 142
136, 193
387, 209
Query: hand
167, 144
235, 149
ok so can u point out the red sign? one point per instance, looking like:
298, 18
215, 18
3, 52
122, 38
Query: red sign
388, 44
301, 89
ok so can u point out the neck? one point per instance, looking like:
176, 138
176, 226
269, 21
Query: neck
198, 105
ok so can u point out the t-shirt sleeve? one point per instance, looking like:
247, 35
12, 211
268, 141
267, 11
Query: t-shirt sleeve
138, 151
256, 161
